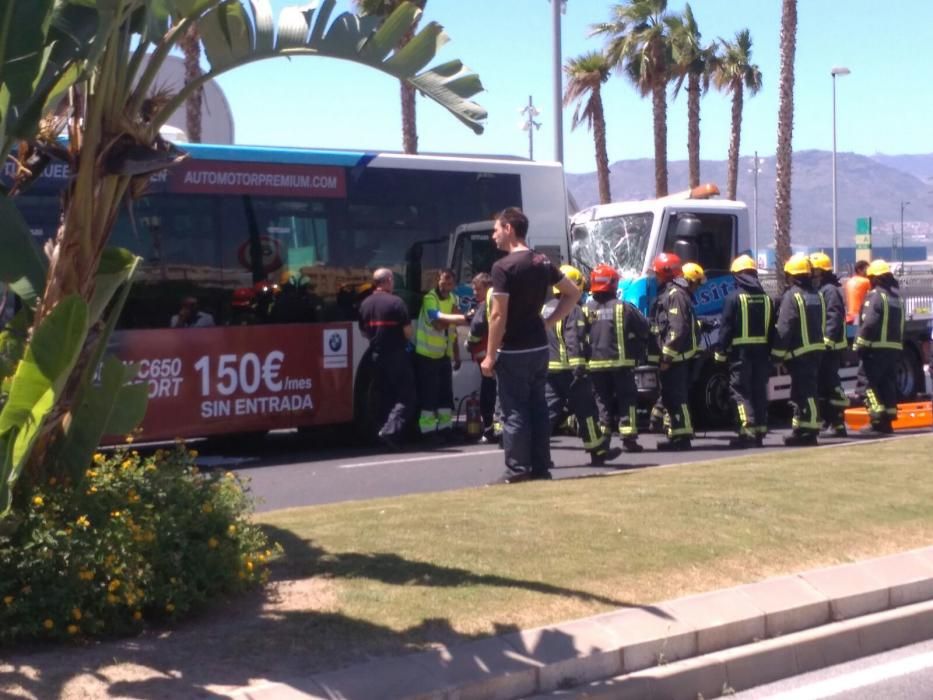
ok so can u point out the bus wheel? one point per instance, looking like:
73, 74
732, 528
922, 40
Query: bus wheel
710, 402
910, 379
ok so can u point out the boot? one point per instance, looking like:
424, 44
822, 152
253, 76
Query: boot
801, 440
631, 445
876, 430
674, 445
743, 441
601, 455
835, 431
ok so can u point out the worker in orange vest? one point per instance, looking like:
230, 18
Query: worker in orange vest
856, 288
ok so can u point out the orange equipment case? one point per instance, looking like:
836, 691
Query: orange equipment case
910, 416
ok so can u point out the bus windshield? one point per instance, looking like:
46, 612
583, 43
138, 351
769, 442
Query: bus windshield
619, 241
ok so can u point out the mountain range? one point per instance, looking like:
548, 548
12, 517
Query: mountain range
866, 186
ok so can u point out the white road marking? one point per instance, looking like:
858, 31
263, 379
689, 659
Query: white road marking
437, 456
858, 679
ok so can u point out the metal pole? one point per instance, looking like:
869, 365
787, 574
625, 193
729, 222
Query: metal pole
835, 234
756, 208
903, 204
558, 96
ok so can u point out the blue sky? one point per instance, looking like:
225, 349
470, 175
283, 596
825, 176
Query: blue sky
884, 106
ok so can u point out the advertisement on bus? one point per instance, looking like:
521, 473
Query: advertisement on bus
241, 379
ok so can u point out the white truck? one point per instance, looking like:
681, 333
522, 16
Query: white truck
712, 232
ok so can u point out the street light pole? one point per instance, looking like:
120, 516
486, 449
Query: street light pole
558, 6
755, 171
838, 70
903, 204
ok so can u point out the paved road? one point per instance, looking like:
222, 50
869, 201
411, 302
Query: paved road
288, 470
902, 674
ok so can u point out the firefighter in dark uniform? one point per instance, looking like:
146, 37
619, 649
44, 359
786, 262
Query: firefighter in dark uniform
798, 343
744, 336
677, 338
879, 342
618, 340
385, 321
833, 399
657, 420
568, 382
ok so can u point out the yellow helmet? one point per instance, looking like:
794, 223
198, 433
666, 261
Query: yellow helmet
694, 273
574, 275
743, 263
877, 268
821, 261
798, 264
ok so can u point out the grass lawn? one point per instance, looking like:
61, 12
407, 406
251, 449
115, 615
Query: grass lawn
402, 573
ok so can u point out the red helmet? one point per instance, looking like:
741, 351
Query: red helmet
667, 266
603, 278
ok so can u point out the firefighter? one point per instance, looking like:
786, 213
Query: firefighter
384, 321
618, 339
568, 382
657, 419
435, 348
744, 334
798, 343
677, 339
476, 344
879, 342
833, 399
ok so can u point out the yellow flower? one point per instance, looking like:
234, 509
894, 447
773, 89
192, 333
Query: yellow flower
115, 514
37, 501
212, 542
91, 490
126, 463
113, 585
129, 439
130, 599
86, 575
207, 508
83, 522
112, 599
7, 599
90, 473
48, 624
231, 530
137, 615
72, 629
169, 607
76, 613
98, 458
132, 496
230, 475
249, 566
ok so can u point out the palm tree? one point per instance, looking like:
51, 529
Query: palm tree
191, 47
785, 151
384, 8
585, 77
734, 72
693, 62
639, 44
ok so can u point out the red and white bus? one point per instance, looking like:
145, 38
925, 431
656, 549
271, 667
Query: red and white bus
255, 260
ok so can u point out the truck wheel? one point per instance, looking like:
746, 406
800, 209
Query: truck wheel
910, 379
710, 403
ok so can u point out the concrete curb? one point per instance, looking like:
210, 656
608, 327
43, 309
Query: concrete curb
733, 638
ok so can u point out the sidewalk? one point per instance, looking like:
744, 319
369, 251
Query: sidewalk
709, 644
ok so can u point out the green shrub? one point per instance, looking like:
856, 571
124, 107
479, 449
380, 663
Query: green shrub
139, 538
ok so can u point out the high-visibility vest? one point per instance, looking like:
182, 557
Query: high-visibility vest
430, 342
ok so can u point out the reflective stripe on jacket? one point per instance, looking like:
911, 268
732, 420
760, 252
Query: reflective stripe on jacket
677, 325
834, 325
567, 344
799, 328
618, 333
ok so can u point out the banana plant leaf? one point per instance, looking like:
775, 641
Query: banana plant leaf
22, 265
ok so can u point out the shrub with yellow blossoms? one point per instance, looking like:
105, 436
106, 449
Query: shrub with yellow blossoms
135, 538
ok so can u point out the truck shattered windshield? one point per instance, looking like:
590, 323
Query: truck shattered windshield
620, 241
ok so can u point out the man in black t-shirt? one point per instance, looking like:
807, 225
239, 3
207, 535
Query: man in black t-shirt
385, 321
517, 350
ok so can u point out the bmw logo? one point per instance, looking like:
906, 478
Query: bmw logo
334, 342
